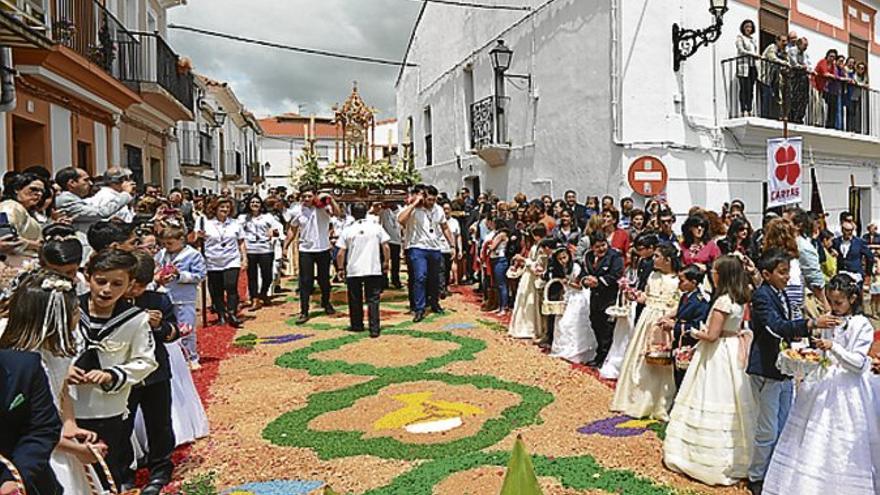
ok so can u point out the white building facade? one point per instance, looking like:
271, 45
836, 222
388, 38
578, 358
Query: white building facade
602, 93
285, 138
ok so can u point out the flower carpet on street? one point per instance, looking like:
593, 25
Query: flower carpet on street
432, 408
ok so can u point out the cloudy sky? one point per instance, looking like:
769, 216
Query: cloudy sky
270, 81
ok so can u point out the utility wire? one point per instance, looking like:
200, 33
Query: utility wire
309, 51
475, 5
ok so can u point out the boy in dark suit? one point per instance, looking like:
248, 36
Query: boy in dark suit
153, 395
772, 323
31, 425
692, 312
604, 267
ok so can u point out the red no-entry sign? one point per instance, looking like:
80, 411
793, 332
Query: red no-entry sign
648, 176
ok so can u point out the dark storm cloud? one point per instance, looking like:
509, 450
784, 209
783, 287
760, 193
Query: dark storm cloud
271, 81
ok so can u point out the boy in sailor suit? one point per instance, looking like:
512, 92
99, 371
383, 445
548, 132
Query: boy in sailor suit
118, 353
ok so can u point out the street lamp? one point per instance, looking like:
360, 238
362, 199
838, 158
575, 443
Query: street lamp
220, 117
502, 56
686, 42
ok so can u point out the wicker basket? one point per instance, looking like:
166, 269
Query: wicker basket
96, 484
659, 347
16, 475
552, 308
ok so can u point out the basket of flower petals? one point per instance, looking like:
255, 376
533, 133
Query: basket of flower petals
799, 361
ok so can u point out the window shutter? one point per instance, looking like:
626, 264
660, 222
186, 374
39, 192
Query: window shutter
189, 143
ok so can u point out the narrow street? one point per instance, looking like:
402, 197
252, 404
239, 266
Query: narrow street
428, 408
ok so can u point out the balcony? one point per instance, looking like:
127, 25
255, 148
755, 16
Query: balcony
155, 72
23, 24
843, 118
489, 130
86, 45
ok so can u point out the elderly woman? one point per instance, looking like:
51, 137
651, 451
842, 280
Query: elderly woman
697, 246
23, 194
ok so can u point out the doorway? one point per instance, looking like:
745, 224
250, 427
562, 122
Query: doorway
860, 206
473, 183
772, 22
84, 157
156, 172
28, 144
134, 162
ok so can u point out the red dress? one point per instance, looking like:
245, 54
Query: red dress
704, 255
620, 241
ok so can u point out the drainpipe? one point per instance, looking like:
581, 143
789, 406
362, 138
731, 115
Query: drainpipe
7, 80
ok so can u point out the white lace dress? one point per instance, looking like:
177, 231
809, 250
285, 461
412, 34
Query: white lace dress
71, 473
188, 417
573, 337
623, 330
830, 441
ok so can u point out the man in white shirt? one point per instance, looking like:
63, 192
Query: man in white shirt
388, 219
313, 223
117, 187
362, 242
424, 222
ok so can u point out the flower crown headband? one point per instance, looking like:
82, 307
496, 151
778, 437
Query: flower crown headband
55, 319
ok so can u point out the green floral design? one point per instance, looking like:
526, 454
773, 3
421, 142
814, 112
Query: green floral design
579, 473
292, 429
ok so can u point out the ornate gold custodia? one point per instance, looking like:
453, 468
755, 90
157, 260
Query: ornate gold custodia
356, 123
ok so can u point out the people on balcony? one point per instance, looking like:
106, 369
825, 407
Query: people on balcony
827, 84
775, 58
746, 71
800, 80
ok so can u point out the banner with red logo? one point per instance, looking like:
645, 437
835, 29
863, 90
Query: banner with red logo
784, 171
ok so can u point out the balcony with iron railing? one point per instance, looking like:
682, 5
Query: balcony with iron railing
154, 65
488, 123
92, 31
765, 97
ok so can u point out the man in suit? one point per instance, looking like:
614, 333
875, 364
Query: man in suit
579, 211
854, 256
604, 267
31, 425
772, 324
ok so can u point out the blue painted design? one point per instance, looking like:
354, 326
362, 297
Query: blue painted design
277, 487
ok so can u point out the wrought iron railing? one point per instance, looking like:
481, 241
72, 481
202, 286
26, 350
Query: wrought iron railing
88, 28
757, 87
156, 62
488, 123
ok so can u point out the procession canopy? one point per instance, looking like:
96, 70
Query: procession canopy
356, 124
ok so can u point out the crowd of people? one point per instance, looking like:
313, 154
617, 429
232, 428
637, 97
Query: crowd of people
103, 291
785, 76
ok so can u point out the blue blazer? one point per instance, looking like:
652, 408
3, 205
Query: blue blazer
31, 425
771, 325
693, 311
852, 262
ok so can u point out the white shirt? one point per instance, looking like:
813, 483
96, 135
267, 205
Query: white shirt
424, 228
291, 213
221, 243
314, 229
258, 232
388, 219
106, 195
455, 230
362, 242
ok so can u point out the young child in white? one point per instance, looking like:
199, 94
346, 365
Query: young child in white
826, 446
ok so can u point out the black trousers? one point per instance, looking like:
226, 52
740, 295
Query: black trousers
359, 290
262, 264
112, 432
395, 264
223, 287
602, 324
154, 401
446, 272
307, 264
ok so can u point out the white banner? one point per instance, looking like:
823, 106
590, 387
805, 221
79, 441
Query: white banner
785, 171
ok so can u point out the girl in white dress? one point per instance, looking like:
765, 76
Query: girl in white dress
827, 443
43, 313
711, 429
573, 338
646, 390
525, 320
